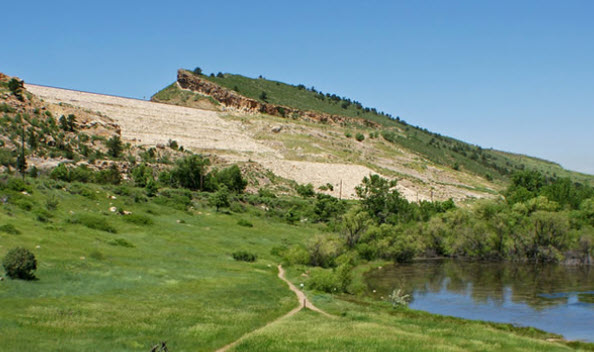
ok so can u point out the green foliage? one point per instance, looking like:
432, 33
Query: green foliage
244, 223
20, 263
92, 221
141, 175
9, 229
220, 199
114, 146
327, 208
189, 172
110, 175
244, 256
121, 242
96, 254
360, 137
138, 219
229, 177
305, 190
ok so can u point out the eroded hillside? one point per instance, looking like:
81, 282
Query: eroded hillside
296, 149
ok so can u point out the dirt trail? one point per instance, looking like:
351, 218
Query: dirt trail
303, 303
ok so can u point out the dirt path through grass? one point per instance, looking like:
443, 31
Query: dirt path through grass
303, 303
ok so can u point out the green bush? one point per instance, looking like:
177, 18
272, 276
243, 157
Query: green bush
306, 191
244, 256
120, 242
138, 219
95, 254
20, 263
10, 229
245, 223
360, 137
93, 222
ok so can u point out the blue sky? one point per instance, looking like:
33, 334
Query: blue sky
513, 75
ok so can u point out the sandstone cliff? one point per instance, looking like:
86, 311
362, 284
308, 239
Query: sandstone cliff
236, 101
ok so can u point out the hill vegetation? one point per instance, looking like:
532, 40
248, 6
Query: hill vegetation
441, 150
148, 244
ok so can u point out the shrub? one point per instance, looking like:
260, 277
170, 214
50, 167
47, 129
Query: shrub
323, 280
20, 263
120, 242
51, 203
230, 177
220, 199
305, 190
360, 137
244, 256
93, 222
16, 184
138, 219
245, 223
348, 134
95, 254
189, 172
109, 176
114, 146
10, 229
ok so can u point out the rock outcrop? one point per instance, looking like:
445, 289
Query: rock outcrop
236, 101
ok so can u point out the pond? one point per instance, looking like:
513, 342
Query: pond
554, 298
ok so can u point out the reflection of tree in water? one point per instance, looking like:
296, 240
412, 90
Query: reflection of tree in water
484, 282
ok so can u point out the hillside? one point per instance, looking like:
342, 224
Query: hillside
434, 148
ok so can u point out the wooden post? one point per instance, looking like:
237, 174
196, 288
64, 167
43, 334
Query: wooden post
340, 192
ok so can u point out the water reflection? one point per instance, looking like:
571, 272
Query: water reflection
554, 298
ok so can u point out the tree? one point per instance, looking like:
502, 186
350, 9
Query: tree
379, 197
220, 199
231, 178
141, 175
264, 96
190, 172
198, 71
20, 263
354, 223
16, 87
114, 146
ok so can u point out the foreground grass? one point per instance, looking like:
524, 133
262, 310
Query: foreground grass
110, 282
371, 327
172, 280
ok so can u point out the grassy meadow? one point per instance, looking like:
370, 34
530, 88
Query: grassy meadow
166, 275
114, 282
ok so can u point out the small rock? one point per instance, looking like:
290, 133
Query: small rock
113, 209
276, 129
38, 246
126, 212
178, 221
82, 258
25, 193
1, 278
114, 197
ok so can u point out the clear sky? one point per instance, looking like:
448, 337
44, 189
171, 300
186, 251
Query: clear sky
513, 75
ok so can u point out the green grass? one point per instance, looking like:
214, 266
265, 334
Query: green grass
174, 279
366, 329
291, 95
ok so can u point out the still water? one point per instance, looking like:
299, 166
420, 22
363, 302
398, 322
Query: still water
554, 298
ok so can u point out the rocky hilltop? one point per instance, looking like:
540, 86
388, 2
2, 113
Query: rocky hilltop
233, 100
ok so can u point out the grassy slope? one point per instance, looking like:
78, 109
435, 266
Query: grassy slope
178, 283
438, 149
